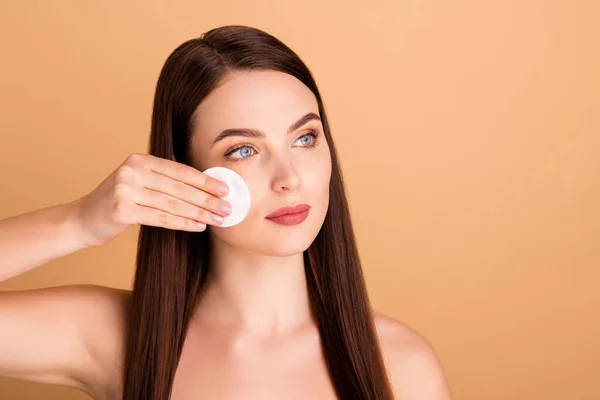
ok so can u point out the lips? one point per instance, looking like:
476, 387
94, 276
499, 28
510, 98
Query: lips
289, 210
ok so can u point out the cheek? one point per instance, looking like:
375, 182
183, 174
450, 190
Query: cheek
325, 181
259, 191
320, 180
324, 174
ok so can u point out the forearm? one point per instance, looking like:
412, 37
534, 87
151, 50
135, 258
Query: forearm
37, 237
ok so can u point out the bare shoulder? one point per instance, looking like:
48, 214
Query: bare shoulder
103, 313
71, 335
413, 365
107, 336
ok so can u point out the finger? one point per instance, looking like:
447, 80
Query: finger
153, 217
172, 205
190, 194
188, 175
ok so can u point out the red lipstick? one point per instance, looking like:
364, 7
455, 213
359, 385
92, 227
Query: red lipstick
289, 215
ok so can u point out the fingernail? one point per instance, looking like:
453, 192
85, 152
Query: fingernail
224, 189
217, 218
225, 207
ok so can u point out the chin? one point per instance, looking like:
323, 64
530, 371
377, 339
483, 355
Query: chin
286, 248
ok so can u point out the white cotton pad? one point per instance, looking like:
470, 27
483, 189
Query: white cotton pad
238, 196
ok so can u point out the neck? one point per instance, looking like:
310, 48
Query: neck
260, 294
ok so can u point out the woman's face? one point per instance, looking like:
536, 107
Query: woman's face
285, 168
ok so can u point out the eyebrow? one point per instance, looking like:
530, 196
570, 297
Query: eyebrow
258, 134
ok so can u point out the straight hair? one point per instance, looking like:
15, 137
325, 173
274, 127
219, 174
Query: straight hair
171, 265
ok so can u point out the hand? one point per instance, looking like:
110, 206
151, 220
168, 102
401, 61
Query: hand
151, 191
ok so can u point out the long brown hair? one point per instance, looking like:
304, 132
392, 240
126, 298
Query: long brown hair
171, 265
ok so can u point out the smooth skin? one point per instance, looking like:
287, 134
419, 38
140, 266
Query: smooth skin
252, 336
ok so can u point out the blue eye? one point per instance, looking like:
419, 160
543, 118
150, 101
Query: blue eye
241, 151
246, 150
306, 137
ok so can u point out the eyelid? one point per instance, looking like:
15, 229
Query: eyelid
311, 132
237, 147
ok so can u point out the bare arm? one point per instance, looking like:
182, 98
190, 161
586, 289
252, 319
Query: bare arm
73, 335
180, 197
66, 335
37, 237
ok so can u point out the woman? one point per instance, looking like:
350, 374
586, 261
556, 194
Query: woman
259, 310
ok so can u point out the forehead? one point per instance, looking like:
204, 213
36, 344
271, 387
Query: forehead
265, 100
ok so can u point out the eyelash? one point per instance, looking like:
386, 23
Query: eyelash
314, 143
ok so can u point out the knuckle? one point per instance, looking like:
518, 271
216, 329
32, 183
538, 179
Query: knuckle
212, 202
135, 157
209, 201
137, 160
178, 188
172, 204
131, 159
124, 173
207, 181
163, 218
190, 224
181, 171
120, 191
201, 214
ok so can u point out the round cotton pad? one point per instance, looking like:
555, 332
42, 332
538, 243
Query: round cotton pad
238, 196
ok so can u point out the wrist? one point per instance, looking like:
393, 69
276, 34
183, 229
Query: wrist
73, 228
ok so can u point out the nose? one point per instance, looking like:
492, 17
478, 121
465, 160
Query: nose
286, 177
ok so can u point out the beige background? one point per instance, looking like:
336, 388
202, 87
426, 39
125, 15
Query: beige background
469, 133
